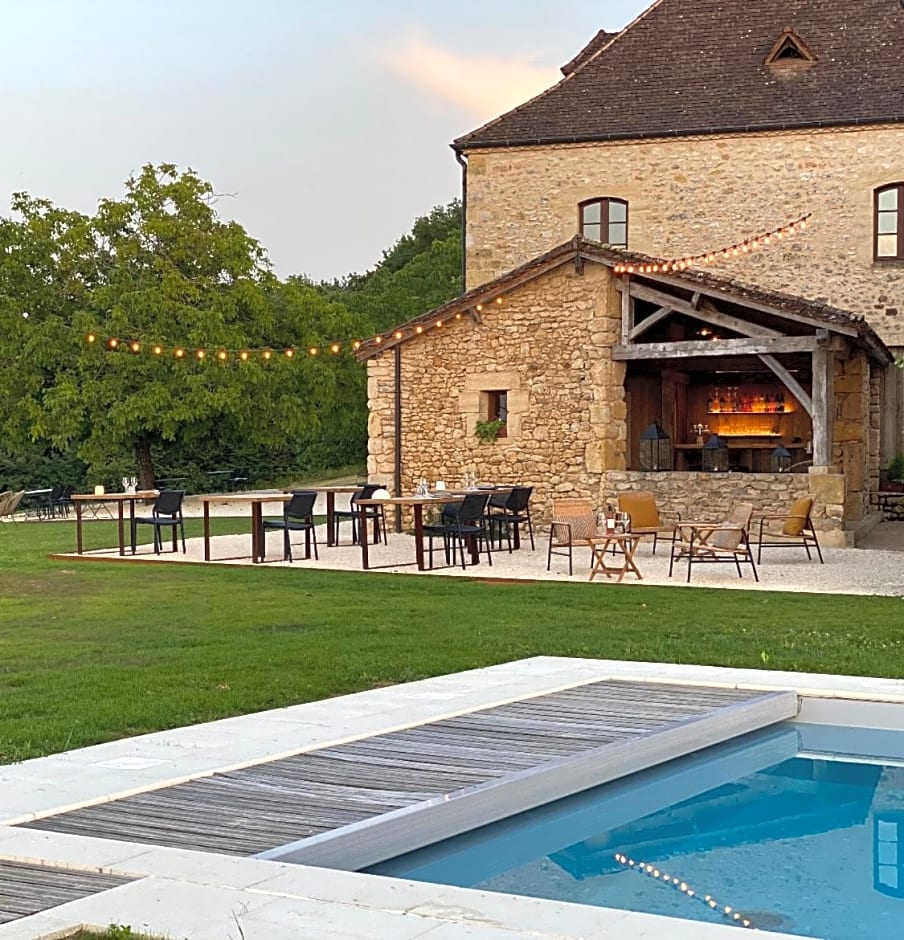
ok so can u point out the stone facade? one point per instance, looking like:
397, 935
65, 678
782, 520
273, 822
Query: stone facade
689, 195
548, 344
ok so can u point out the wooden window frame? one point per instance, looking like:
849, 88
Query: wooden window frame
899, 255
497, 408
604, 202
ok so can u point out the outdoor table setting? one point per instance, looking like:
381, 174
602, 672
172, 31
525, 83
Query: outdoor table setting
256, 501
621, 547
424, 496
330, 493
99, 496
37, 503
416, 503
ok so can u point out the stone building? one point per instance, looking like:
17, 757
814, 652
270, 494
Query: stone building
692, 130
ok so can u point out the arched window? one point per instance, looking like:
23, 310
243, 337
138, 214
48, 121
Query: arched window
604, 220
890, 222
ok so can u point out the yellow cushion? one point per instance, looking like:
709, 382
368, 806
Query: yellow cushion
797, 516
641, 507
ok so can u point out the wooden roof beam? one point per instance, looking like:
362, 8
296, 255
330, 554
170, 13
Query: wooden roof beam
751, 346
706, 311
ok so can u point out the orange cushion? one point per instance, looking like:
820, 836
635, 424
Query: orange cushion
641, 507
798, 515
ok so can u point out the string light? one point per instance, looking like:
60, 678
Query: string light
708, 257
244, 355
727, 911
202, 353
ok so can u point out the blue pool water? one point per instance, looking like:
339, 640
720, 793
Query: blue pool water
795, 829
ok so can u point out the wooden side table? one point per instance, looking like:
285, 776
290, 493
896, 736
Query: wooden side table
624, 545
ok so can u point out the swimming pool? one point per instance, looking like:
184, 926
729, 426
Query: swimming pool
794, 829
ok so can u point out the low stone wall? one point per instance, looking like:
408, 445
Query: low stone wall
709, 497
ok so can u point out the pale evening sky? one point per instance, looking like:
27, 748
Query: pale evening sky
328, 123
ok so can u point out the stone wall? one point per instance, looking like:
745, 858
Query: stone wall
549, 345
689, 195
709, 497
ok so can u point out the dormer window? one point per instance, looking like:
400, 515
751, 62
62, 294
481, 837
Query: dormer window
889, 240
604, 220
790, 50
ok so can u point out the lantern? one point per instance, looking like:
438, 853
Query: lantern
655, 449
715, 455
781, 460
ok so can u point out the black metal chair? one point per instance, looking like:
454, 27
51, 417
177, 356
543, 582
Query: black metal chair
373, 514
56, 505
166, 514
507, 512
461, 523
298, 516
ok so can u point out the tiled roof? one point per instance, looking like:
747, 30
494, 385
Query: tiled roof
692, 280
698, 66
592, 47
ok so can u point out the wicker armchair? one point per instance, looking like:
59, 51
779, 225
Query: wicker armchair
796, 530
708, 543
573, 523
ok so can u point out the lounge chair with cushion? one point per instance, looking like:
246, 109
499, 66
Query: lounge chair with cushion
646, 519
796, 529
708, 543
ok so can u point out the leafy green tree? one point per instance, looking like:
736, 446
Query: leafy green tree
421, 271
156, 267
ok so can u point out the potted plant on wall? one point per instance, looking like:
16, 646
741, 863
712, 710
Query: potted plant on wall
487, 431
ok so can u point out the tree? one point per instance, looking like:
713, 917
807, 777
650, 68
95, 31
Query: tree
154, 267
421, 271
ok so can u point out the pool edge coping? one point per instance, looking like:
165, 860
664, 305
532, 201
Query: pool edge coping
165, 870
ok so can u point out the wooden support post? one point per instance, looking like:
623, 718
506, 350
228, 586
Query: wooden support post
627, 310
823, 405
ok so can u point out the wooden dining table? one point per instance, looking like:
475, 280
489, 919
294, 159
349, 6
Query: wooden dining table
416, 503
256, 501
80, 499
330, 493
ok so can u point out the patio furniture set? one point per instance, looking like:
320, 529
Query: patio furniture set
39, 503
613, 537
479, 520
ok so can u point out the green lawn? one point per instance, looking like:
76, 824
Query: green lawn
91, 651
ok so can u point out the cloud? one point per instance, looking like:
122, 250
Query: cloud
484, 86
